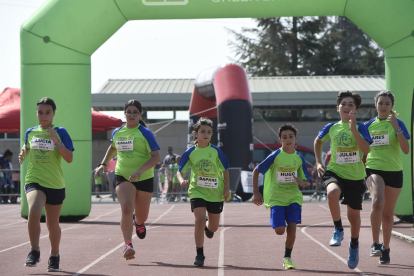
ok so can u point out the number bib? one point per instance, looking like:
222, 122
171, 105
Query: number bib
286, 174
380, 137
40, 143
207, 180
347, 155
125, 143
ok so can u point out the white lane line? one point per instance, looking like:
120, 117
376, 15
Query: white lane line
303, 230
324, 207
6, 225
221, 248
117, 247
73, 227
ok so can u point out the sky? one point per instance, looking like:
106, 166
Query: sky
140, 49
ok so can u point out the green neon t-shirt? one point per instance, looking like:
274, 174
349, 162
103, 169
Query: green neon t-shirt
280, 188
44, 158
207, 165
346, 158
385, 154
134, 147
173, 168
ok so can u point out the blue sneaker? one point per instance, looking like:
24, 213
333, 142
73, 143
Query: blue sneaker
337, 237
353, 257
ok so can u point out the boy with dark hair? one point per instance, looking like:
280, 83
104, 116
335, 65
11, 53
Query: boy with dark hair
283, 169
345, 176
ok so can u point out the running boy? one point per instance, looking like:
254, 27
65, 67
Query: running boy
345, 177
283, 169
209, 183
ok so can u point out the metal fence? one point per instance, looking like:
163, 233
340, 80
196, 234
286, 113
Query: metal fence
10, 186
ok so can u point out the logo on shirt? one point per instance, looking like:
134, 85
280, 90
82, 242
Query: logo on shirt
343, 139
205, 165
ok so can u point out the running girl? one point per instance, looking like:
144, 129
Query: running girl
208, 185
384, 170
345, 175
45, 182
138, 153
284, 170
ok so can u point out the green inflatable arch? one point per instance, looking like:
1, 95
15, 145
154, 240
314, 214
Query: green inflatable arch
58, 40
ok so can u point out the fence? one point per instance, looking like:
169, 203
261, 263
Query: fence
10, 186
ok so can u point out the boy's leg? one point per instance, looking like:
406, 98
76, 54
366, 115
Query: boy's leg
355, 222
334, 194
290, 235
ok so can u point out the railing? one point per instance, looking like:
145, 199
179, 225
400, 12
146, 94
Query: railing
9, 186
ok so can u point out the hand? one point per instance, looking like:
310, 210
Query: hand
257, 198
226, 194
352, 121
393, 121
135, 176
53, 134
185, 183
321, 169
22, 156
100, 168
301, 183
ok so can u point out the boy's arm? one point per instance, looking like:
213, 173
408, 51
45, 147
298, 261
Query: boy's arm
257, 197
318, 145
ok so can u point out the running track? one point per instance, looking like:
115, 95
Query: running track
245, 244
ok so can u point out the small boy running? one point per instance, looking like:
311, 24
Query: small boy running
283, 169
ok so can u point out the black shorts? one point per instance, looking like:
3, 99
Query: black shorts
391, 179
53, 196
212, 207
146, 185
352, 191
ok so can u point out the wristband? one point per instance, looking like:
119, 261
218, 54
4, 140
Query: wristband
399, 132
398, 129
102, 164
59, 145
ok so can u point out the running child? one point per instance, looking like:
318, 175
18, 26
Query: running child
173, 181
346, 172
138, 153
284, 170
208, 185
384, 170
44, 186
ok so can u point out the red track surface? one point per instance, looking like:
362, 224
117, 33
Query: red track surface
244, 245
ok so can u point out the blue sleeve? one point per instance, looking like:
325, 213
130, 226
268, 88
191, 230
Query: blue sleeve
265, 165
150, 138
223, 158
27, 135
304, 168
185, 158
325, 130
113, 133
368, 123
404, 129
64, 136
363, 130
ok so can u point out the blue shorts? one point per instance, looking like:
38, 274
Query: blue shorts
281, 214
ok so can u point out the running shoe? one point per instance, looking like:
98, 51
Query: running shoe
129, 252
33, 258
287, 263
337, 237
141, 230
353, 257
199, 260
209, 234
385, 256
376, 250
53, 263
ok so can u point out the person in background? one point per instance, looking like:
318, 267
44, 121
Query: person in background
7, 185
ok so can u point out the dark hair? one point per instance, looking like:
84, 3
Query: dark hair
201, 122
47, 101
8, 153
345, 94
172, 158
287, 126
138, 105
386, 93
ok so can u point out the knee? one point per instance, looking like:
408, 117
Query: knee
280, 230
334, 194
201, 223
127, 208
377, 204
213, 228
387, 216
35, 214
353, 218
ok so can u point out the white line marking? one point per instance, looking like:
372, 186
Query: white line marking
73, 227
117, 247
221, 248
324, 207
5, 226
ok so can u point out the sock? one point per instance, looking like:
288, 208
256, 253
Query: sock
200, 250
51, 255
354, 243
338, 225
288, 252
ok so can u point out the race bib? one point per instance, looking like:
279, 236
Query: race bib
207, 180
380, 137
125, 143
347, 155
41, 143
286, 174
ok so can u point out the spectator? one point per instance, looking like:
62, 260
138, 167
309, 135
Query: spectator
7, 185
166, 161
98, 181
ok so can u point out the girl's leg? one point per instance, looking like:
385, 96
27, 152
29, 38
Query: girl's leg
52, 222
355, 221
200, 224
213, 222
334, 193
36, 200
391, 196
290, 235
376, 188
142, 206
126, 193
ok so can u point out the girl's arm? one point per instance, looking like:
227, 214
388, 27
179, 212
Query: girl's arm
318, 145
66, 153
404, 145
110, 153
155, 158
24, 153
181, 180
